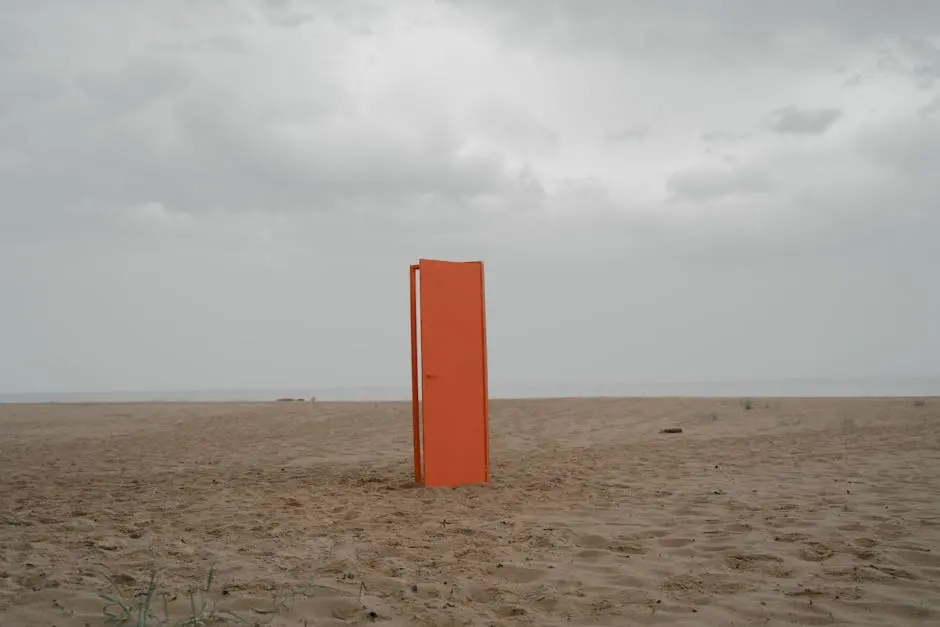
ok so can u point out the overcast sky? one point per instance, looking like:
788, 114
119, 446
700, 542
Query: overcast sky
228, 193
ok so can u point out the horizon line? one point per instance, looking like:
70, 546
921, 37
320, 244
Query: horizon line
500, 390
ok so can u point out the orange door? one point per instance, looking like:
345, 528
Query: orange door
453, 382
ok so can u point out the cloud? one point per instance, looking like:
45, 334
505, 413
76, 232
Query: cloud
631, 134
795, 121
504, 122
11, 38
924, 55
140, 82
907, 149
723, 136
680, 32
183, 130
718, 182
932, 107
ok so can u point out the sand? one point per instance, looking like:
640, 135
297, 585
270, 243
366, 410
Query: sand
793, 512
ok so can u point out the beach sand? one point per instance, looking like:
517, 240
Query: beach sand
792, 512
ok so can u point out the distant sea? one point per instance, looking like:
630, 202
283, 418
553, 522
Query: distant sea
860, 387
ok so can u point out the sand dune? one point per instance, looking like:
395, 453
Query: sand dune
794, 512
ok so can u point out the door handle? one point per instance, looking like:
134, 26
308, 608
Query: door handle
428, 375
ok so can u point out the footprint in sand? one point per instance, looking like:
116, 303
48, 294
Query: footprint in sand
675, 543
866, 543
791, 537
920, 557
750, 561
703, 585
518, 574
592, 555
815, 552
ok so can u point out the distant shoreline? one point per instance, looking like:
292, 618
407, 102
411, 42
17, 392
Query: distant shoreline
786, 388
499, 399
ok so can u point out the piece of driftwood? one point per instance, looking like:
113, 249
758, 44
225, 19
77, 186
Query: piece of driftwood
672, 430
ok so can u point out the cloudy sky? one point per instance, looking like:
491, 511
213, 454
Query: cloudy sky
228, 193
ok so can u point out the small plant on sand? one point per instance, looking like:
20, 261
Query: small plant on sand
119, 611
920, 402
747, 404
203, 610
152, 607
284, 601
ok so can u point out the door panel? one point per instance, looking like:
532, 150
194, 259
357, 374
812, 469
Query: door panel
453, 379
